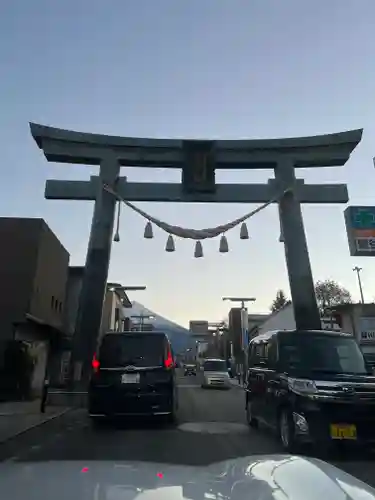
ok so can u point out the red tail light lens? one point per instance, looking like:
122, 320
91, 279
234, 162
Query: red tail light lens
95, 364
168, 363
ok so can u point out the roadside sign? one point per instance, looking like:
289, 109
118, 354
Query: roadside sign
367, 330
360, 229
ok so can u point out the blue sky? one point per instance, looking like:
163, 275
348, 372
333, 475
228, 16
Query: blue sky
197, 68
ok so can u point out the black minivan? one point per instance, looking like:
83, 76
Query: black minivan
133, 375
310, 386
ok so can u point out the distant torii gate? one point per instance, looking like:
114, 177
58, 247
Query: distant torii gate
198, 160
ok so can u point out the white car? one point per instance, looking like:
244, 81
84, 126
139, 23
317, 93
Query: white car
215, 373
255, 477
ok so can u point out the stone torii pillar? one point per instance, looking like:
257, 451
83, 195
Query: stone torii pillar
198, 161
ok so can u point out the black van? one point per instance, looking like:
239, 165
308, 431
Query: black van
133, 375
311, 387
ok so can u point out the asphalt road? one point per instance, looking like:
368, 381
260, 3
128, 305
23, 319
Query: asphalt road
211, 428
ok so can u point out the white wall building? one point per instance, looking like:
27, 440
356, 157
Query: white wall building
284, 320
359, 320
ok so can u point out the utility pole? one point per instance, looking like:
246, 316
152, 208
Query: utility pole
358, 271
141, 318
244, 320
218, 333
244, 327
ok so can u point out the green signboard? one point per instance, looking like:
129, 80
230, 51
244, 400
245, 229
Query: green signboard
360, 229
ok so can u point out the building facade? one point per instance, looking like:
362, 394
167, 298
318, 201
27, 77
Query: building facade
359, 320
113, 318
72, 295
283, 319
59, 364
33, 273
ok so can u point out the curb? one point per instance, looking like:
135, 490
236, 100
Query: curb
38, 424
237, 386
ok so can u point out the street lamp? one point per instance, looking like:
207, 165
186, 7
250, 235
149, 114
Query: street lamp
244, 318
358, 270
240, 299
118, 286
141, 318
134, 288
121, 291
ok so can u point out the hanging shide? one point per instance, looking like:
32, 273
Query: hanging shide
169, 247
148, 234
198, 250
116, 237
223, 248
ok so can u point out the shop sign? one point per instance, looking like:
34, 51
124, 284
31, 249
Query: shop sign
367, 330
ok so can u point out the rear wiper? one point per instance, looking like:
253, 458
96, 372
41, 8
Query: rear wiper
131, 361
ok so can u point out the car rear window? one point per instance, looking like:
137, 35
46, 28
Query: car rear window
215, 366
136, 350
316, 352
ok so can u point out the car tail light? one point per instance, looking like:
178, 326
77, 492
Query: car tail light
168, 362
95, 364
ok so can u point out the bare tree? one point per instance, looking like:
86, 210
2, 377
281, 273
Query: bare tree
330, 294
280, 301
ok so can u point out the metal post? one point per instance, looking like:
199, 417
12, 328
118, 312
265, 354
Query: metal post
306, 312
44, 397
358, 271
225, 347
96, 274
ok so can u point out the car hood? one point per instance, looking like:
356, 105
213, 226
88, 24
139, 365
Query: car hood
344, 377
261, 477
215, 374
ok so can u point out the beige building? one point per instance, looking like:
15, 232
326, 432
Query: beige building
114, 317
283, 319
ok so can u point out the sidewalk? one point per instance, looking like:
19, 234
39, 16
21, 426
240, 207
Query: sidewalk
235, 383
17, 417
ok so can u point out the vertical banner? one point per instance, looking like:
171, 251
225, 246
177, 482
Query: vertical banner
244, 328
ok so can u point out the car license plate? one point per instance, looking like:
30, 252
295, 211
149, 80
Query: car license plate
343, 431
130, 378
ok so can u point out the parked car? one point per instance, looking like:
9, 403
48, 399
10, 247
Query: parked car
215, 374
133, 375
311, 387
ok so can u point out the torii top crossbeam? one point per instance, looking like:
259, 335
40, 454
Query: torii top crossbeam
66, 146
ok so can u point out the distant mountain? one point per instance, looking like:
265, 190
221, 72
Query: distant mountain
179, 336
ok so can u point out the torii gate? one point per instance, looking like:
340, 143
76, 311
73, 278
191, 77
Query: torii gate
198, 161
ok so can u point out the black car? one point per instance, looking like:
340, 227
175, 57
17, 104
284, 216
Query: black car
133, 375
311, 387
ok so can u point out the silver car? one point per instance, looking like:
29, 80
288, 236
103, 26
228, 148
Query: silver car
215, 374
